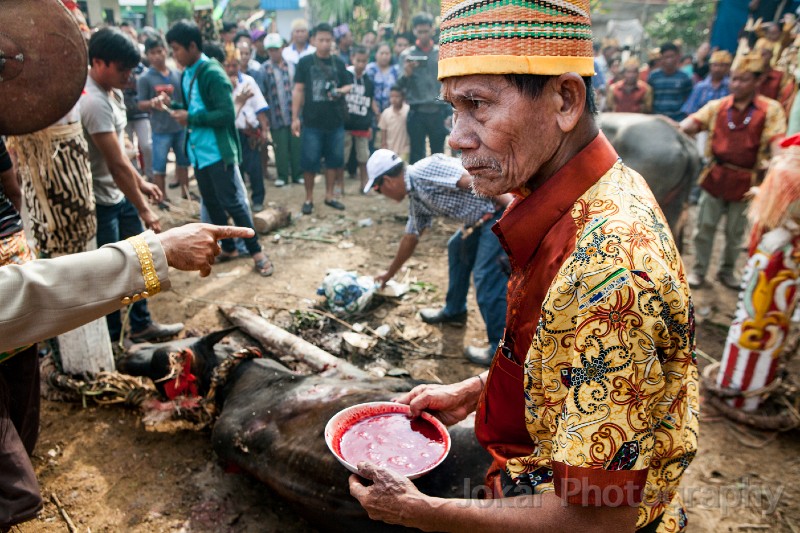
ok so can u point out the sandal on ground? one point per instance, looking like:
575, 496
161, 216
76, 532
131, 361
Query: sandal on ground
336, 204
264, 267
308, 208
224, 257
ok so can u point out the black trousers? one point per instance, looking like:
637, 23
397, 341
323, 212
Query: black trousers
428, 125
218, 189
20, 498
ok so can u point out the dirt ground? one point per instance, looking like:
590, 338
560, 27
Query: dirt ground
109, 474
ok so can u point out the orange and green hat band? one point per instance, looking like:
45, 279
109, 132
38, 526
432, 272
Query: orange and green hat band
548, 37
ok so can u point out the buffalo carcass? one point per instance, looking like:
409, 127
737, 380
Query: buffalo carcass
667, 159
272, 424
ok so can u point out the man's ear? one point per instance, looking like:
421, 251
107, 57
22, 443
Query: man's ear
570, 92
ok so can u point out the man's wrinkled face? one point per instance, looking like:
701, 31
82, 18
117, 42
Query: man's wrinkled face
504, 136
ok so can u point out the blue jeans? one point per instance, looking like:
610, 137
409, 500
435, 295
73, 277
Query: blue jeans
481, 255
317, 143
162, 143
115, 223
218, 188
241, 195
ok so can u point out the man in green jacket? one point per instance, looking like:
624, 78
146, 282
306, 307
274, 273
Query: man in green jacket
212, 142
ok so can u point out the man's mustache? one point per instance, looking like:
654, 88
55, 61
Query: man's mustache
478, 161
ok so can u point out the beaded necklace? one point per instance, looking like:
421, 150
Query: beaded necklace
732, 126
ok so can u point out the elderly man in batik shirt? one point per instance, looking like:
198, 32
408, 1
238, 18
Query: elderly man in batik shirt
590, 408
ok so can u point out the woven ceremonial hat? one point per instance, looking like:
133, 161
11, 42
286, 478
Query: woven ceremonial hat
548, 37
721, 57
751, 62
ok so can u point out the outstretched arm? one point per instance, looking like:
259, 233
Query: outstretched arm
406, 249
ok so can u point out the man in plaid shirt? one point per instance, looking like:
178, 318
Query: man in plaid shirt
439, 186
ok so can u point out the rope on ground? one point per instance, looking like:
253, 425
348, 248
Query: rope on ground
781, 390
106, 388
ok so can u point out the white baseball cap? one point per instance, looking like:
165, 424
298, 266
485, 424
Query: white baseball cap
273, 40
380, 162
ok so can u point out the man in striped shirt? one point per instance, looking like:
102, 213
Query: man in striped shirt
671, 87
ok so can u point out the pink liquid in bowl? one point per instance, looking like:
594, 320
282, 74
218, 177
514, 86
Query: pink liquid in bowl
393, 441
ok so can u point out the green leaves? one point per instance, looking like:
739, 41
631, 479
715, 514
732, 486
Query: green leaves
687, 20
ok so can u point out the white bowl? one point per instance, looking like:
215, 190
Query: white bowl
344, 420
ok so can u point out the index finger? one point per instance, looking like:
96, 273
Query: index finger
232, 232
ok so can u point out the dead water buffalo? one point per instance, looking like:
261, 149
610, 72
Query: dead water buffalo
272, 423
667, 159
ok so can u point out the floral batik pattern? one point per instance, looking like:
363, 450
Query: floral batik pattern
611, 380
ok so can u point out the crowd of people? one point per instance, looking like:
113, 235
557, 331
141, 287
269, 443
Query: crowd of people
576, 341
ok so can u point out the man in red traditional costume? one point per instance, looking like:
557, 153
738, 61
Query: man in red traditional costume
589, 410
630, 94
741, 128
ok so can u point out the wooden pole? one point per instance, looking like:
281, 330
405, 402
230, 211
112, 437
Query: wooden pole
281, 341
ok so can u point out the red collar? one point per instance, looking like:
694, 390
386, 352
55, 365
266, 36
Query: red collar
527, 221
422, 48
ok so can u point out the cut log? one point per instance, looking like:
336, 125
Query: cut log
282, 342
271, 218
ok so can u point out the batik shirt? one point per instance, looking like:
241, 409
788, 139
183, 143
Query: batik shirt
610, 377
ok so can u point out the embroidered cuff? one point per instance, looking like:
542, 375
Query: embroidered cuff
152, 284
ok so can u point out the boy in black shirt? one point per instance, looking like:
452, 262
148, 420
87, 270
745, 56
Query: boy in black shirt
361, 108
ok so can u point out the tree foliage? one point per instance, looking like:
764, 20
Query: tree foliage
176, 10
687, 20
361, 15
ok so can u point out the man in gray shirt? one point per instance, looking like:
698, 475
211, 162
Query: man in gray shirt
120, 192
427, 115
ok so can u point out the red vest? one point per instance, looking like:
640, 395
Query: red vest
628, 102
738, 147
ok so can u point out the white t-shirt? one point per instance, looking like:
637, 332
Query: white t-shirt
254, 105
292, 56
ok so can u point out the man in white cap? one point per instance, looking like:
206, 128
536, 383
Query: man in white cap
439, 186
590, 408
278, 86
